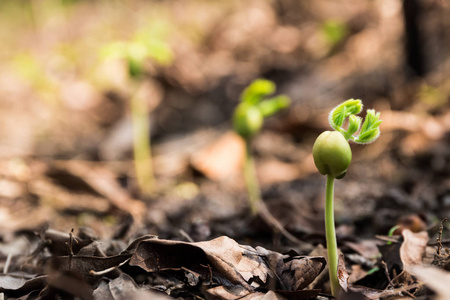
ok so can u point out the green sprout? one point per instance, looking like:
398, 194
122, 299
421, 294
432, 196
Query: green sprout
248, 120
332, 156
136, 53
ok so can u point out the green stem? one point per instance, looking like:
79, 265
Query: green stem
141, 144
331, 236
251, 180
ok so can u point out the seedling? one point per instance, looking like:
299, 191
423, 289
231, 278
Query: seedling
248, 120
332, 156
136, 53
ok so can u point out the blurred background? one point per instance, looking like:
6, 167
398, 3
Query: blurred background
80, 79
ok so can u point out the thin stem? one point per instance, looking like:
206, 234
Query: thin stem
251, 181
331, 235
141, 144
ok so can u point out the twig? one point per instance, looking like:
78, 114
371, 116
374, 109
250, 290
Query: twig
103, 272
387, 239
388, 276
186, 235
439, 238
7, 263
69, 247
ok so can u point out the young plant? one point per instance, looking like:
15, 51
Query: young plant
248, 120
136, 54
332, 156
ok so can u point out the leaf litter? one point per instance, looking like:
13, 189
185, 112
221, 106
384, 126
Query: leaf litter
220, 268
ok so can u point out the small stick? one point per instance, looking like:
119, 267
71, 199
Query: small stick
186, 235
386, 271
7, 263
103, 272
439, 238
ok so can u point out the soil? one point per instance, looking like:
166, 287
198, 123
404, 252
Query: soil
75, 224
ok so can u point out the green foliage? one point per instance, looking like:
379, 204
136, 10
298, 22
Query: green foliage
257, 90
249, 115
342, 111
369, 131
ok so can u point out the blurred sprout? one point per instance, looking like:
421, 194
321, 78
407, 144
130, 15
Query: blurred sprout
137, 52
249, 115
258, 89
248, 119
334, 31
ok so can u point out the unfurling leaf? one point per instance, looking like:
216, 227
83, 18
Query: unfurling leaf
370, 129
342, 111
257, 90
273, 105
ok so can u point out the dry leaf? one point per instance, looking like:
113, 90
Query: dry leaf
228, 258
413, 247
436, 279
124, 287
239, 264
294, 272
342, 273
222, 158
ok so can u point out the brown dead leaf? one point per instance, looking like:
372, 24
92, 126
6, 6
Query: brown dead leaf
221, 158
239, 264
13, 286
234, 262
342, 273
375, 294
293, 271
103, 181
124, 287
239, 292
367, 248
436, 279
413, 247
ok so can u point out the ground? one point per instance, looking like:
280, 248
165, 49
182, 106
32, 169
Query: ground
76, 222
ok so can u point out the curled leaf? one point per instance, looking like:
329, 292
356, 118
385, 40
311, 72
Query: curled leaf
342, 111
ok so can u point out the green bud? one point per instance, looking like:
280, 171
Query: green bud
247, 120
332, 154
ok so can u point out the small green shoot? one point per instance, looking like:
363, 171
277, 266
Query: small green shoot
136, 53
332, 156
248, 120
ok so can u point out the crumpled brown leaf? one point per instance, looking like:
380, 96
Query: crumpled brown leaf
342, 273
238, 292
293, 271
413, 247
232, 261
124, 287
239, 264
13, 286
